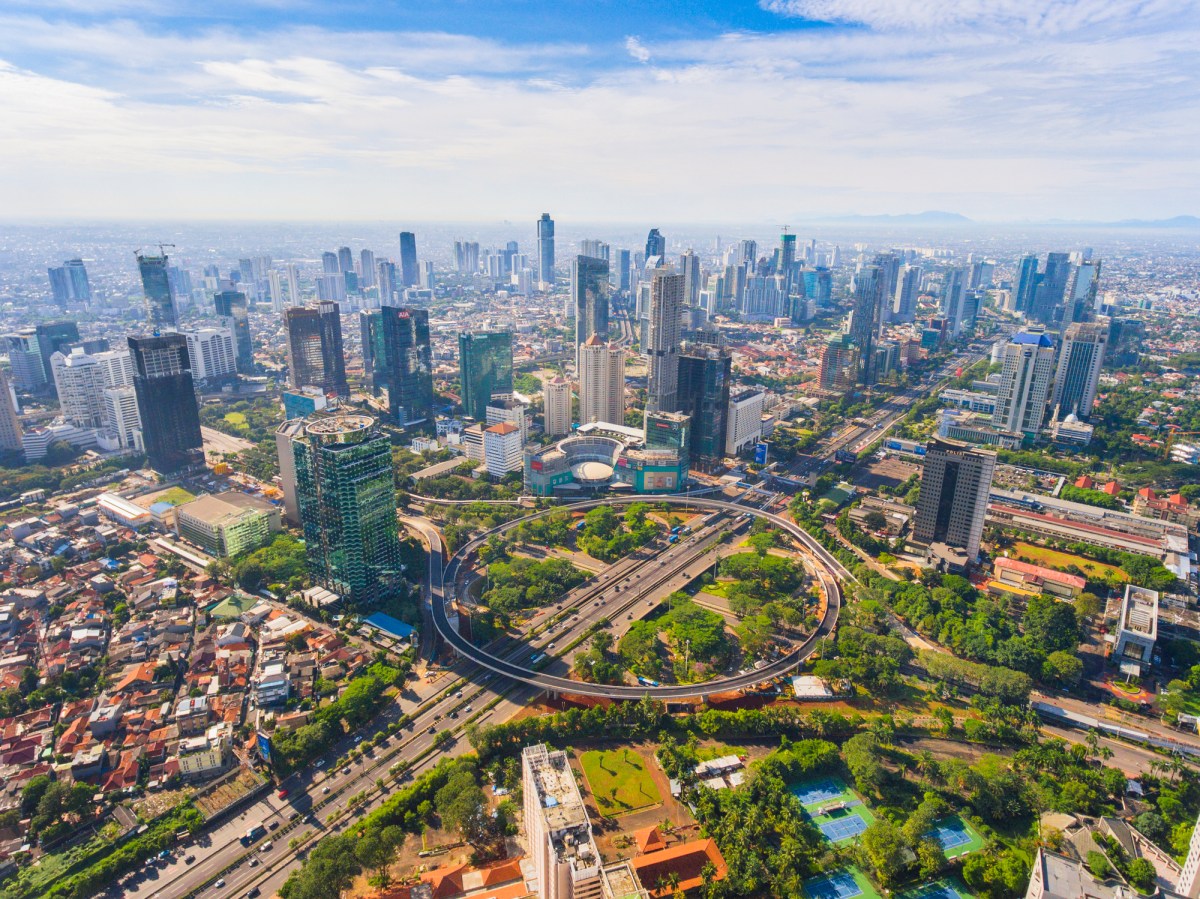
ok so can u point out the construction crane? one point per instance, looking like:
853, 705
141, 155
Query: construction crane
1166, 453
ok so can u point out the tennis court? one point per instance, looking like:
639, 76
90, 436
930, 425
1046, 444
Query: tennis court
818, 791
956, 837
836, 886
940, 889
843, 828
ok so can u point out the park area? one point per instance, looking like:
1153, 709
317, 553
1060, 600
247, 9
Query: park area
619, 780
1053, 558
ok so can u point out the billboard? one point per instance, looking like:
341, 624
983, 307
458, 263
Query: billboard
760, 454
264, 746
845, 456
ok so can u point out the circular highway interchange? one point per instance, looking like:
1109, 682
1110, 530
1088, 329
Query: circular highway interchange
669, 565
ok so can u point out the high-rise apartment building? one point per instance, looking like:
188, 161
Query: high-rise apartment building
409, 362
345, 259
601, 382
53, 337
166, 397
346, 502
485, 369
121, 416
545, 249
704, 381
556, 406
954, 292
743, 423
80, 380
689, 265
410, 274
1024, 384
160, 299
315, 355
1080, 359
293, 282
11, 432
590, 298
231, 306
662, 343
368, 273
386, 272
502, 449
656, 245
748, 253
955, 484
839, 364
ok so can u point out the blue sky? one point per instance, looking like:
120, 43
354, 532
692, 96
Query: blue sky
739, 111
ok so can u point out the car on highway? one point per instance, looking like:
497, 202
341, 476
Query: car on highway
325, 790
357, 739
432, 729
254, 863
266, 847
346, 770
254, 893
321, 763
220, 882
282, 794
189, 859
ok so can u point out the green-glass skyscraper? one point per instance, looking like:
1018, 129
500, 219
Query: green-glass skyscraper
485, 365
346, 500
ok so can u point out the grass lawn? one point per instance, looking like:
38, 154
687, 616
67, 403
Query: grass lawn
720, 588
1052, 558
176, 496
236, 419
619, 781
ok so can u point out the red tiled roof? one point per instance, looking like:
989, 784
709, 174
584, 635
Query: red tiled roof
686, 860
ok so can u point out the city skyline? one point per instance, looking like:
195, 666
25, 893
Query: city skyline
128, 110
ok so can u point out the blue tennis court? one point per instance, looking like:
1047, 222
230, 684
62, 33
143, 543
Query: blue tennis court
939, 890
951, 835
843, 828
817, 791
835, 886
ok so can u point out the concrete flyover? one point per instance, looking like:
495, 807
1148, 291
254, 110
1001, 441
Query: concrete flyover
826, 568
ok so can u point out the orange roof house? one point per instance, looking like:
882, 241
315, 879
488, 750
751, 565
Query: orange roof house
687, 861
649, 839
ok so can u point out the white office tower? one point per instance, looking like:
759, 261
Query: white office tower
502, 409
904, 307
556, 402
121, 417
689, 264
12, 437
212, 353
80, 380
601, 382
743, 422
565, 859
502, 449
1024, 384
662, 340
275, 285
955, 484
1079, 362
366, 268
427, 275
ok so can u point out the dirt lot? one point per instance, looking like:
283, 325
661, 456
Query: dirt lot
890, 471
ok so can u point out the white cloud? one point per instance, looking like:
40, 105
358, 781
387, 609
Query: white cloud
996, 122
635, 48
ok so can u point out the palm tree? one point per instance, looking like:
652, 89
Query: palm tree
927, 764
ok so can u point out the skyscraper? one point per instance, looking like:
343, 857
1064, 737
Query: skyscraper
864, 321
293, 280
160, 300
689, 265
77, 279
955, 485
889, 273
556, 406
1051, 289
80, 380
1079, 362
374, 352
11, 433
25, 359
662, 344
839, 364
329, 263
345, 259
908, 287
213, 355
748, 253
954, 291
601, 382
346, 501
704, 379
590, 292
232, 308
409, 362
623, 270
315, 356
485, 369
367, 272
387, 282
52, 337
60, 286
1081, 292
787, 258
1025, 284
545, 248
656, 245
166, 396
1024, 384
410, 274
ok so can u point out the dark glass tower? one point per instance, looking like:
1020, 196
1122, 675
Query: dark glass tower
409, 363
52, 337
704, 377
162, 381
346, 501
864, 323
485, 369
410, 274
545, 245
370, 325
590, 290
231, 305
315, 357
156, 285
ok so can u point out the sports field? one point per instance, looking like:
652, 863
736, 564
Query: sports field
958, 838
836, 810
619, 780
946, 888
849, 883
1052, 558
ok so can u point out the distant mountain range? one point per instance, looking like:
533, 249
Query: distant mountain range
1179, 221
931, 217
936, 217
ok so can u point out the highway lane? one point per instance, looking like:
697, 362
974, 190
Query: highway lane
825, 569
